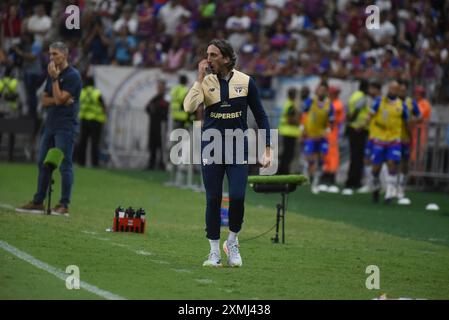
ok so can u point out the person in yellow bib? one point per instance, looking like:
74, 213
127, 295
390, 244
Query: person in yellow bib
317, 125
357, 132
375, 91
388, 114
180, 118
407, 127
289, 131
93, 116
8, 93
9, 104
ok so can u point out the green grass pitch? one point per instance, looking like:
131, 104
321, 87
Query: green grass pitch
330, 241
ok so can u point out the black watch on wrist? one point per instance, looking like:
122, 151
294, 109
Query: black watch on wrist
54, 79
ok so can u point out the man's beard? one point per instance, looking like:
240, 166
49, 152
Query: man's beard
209, 69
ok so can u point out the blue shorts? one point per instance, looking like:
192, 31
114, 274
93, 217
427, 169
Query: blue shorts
312, 146
386, 152
368, 149
405, 149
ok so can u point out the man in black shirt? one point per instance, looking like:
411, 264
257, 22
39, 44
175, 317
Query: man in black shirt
157, 110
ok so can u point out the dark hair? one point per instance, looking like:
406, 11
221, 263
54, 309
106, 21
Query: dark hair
291, 93
363, 86
89, 81
323, 83
183, 79
226, 50
376, 84
403, 83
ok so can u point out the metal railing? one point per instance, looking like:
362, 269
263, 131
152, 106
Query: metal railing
430, 153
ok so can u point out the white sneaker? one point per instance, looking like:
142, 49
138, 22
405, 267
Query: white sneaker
432, 207
404, 201
213, 260
232, 251
315, 189
347, 192
323, 188
390, 192
333, 189
364, 189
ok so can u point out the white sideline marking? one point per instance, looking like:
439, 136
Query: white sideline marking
147, 253
102, 239
160, 261
6, 206
437, 240
181, 270
57, 273
89, 232
121, 245
226, 290
204, 281
143, 252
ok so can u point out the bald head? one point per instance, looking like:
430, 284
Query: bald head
393, 89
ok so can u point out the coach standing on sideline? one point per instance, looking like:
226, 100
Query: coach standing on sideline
226, 94
61, 102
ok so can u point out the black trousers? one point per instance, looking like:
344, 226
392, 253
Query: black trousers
288, 153
155, 144
357, 142
90, 130
213, 175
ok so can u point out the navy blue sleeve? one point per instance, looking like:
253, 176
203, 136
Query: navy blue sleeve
415, 109
307, 104
257, 109
404, 111
376, 105
72, 84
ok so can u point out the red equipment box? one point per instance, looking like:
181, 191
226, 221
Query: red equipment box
129, 220
129, 225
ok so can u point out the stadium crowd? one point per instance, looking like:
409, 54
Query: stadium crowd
272, 37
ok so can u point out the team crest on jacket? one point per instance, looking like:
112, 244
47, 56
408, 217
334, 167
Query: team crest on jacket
238, 89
